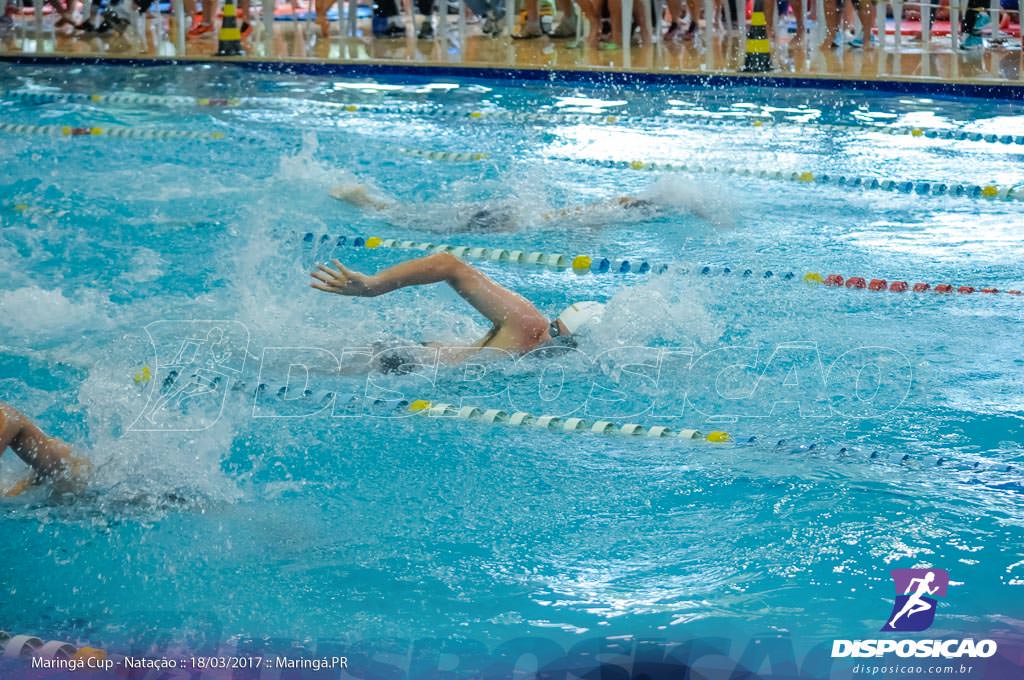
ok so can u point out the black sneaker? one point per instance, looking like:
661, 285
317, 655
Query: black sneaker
112, 22
426, 30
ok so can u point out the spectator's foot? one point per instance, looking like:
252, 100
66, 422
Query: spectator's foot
6, 25
492, 26
246, 29
691, 31
202, 28
325, 27
608, 46
426, 30
797, 43
972, 42
112, 22
566, 28
981, 21
675, 30
394, 30
85, 26
859, 42
529, 31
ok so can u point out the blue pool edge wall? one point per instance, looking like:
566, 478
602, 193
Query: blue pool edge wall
1008, 91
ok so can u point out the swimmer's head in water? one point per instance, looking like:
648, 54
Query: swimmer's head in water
630, 202
576, 317
491, 219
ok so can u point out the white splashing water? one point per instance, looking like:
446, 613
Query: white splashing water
709, 202
32, 311
669, 310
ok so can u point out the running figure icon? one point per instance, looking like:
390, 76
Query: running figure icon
914, 609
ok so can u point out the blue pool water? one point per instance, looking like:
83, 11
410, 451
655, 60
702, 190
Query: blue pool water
886, 430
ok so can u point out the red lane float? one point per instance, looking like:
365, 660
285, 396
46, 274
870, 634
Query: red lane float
837, 281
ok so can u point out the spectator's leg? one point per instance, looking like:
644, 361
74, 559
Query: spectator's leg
831, 20
974, 9
531, 28
322, 8
244, 10
567, 26
615, 18
868, 9
675, 18
693, 10
799, 11
640, 19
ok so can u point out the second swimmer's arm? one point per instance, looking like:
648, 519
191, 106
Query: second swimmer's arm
359, 195
501, 306
49, 457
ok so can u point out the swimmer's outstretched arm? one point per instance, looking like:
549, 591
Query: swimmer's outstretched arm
624, 201
50, 458
504, 308
361, 196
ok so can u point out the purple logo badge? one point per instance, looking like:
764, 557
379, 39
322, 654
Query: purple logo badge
916, 589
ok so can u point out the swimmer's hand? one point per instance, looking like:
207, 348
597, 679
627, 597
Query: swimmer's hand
358, 195
342, 281
19, 488
73, 477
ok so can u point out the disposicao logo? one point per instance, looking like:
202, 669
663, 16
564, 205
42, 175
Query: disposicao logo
914, 609
912, 612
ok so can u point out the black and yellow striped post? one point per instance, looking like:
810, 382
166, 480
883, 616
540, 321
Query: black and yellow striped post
759, 49
229, 42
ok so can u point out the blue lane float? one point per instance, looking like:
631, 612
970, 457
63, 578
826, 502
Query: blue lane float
324, 247
441, 411
317, 248
499, 115
908, 187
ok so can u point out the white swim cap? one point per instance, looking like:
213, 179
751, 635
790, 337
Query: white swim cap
579, 314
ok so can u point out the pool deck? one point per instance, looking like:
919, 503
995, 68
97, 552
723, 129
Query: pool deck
298, 46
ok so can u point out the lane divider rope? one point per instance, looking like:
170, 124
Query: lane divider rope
580, 264
27, 646
324, 398
879, 285
117, 132
920, 188
40, 97
453, 156
498, 114
583, 264
494, 416
28, 210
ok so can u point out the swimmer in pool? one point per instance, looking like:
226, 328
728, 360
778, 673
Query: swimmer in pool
482, 218
517, 326
52, 461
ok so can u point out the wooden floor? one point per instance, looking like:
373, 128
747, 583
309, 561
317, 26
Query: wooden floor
301, 41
